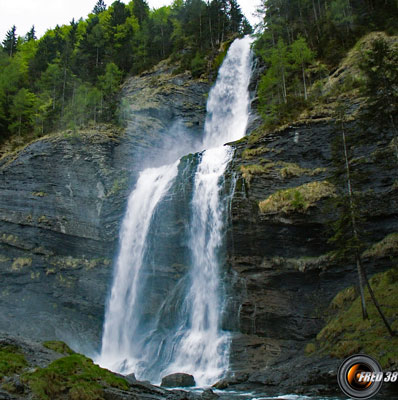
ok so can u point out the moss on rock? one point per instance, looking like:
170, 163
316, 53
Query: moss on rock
347, 333
58, 346
298, 199
20, 263
385, 248
11, 360
73, 377
284, 169
248, 154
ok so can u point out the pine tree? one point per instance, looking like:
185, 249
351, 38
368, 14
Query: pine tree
141, 10
99, 7
10, 42
380, 66
31, 35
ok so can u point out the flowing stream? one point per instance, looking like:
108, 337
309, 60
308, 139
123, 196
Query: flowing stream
194, 343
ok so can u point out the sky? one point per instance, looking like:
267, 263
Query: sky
45, 14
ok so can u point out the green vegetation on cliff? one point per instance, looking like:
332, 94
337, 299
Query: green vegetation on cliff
59, 347
75, 375
346, 333
297, 199
302, 42
11, 360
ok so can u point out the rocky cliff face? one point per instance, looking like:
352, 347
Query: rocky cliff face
63, 197
281, 277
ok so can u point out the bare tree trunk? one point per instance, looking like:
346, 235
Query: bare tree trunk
377, 305
354, 226
210, 25
163, 50
361, 285
395, 135
284, 86
305, 84
63, 93
315, 14
200, 28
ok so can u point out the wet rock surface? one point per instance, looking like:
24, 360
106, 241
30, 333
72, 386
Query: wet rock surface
62, 199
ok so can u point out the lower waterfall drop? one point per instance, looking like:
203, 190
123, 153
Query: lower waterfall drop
117, 352
196, 343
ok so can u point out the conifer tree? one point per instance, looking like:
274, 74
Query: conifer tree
141, 10
10, 42
99, 7
380, 66
31, 35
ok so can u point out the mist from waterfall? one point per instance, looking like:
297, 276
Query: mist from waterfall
195, 343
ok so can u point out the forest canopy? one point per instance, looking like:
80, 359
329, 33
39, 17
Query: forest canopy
303, 41
72, 74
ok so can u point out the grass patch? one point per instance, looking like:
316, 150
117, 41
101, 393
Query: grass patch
297, 199
284, 169
386, 247
11, 360
58, 346
249, 171
347, 333
290, 170
249, 154
20, 263
310, 348
75, 377
39, 194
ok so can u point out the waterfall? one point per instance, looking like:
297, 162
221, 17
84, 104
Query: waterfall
204, 347
195, 343
117, 344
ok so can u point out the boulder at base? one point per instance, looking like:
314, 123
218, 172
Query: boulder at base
178, 380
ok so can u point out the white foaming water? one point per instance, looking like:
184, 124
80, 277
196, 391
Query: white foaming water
118, 353
204, 348
197, 344
228, 104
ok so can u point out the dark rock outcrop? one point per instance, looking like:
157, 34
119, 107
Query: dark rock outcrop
178, 380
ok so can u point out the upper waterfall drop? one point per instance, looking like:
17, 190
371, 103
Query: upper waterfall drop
184, 333
229, 100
